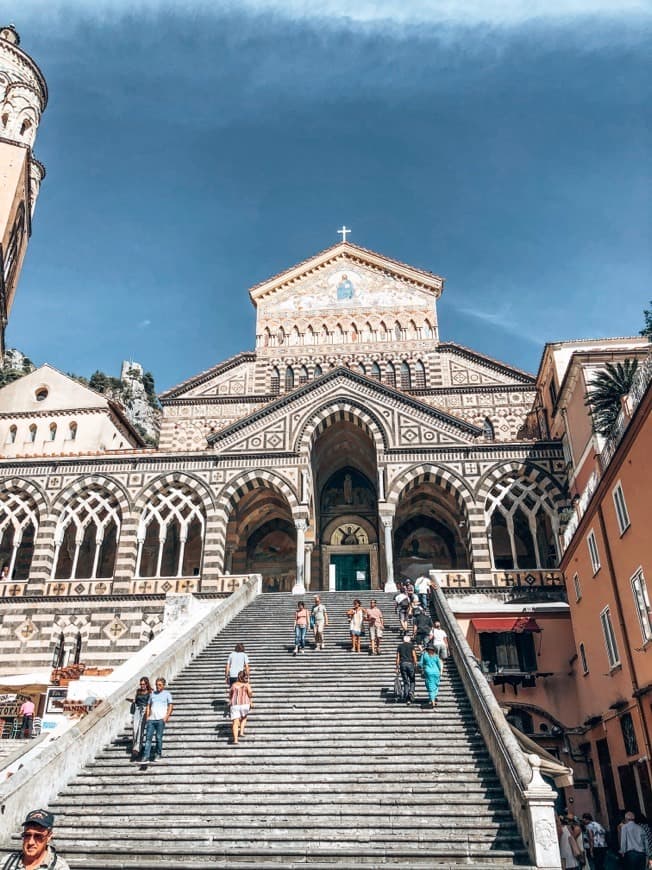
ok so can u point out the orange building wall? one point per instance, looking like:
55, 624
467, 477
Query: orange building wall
555, 646
603, 691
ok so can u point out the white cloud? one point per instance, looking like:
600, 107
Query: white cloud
502, 318
144, 324
365, 12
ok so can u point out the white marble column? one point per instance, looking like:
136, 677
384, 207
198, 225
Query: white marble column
388, 522
307, 566
301, 526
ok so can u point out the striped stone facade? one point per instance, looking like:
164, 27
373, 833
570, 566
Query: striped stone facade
291, 476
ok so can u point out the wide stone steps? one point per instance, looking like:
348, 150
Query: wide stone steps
332, 772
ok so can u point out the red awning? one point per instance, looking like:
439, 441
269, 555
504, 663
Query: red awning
504, 623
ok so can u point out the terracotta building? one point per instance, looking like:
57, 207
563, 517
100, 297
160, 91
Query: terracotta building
607, 564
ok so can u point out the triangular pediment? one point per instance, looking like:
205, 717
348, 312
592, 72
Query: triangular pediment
348, 277
398, 420
46, 390
233, 377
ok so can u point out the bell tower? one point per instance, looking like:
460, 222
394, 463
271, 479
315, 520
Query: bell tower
23, 98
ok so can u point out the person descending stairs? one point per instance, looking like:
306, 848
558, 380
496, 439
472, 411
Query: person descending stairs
331, 772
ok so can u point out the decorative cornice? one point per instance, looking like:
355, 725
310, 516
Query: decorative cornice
202, 377
90, 599
251, 398
481, 388
363, 380
37, 412
25, 60
474, 356
426, 280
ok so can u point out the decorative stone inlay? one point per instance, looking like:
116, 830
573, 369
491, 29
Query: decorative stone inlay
115, 629
26, 631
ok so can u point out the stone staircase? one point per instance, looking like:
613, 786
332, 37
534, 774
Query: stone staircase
331, 772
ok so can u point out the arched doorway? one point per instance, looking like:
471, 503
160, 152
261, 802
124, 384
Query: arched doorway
261, 539
346, 507
430, 531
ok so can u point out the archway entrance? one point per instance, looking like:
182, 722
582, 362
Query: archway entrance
346, 508
261, 539
430, 531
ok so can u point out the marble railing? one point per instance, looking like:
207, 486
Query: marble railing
531, 800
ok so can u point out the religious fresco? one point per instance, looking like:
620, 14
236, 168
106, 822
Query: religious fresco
347, 491
344, 285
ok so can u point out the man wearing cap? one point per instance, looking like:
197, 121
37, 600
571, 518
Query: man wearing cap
37, 851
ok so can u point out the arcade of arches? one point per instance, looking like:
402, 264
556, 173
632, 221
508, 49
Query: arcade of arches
344, 535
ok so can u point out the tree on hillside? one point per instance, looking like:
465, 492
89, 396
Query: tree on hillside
647, 329
606, 391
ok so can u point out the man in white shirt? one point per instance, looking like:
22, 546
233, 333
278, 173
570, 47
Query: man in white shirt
439, 640
159, 710
422, 586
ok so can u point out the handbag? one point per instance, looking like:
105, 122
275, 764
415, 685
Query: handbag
132, 709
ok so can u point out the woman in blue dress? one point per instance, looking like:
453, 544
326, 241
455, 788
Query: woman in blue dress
430, 665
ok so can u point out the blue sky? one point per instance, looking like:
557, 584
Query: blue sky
196, 148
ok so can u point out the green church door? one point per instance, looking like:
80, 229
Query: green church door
351, 572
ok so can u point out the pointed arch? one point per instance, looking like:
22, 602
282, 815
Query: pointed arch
303, 375
309, 335
419, 375
19, 523
334, 412
390, 374
318, 371
242, 484
171, 532
289, 378
406, 376
275, 381
521, 516
375, 371
87, 533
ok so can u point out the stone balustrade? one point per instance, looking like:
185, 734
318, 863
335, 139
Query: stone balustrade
532, 801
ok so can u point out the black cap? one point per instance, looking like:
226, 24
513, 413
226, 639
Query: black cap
42, 818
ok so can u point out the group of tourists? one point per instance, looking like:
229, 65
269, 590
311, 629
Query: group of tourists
316, 619
583, 842
151, 709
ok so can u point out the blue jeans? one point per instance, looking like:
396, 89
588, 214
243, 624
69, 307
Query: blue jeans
153, 728
300, 636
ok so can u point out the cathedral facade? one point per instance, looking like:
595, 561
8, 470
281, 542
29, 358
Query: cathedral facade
349, 448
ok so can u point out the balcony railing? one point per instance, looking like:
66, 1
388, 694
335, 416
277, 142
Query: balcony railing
630, 403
